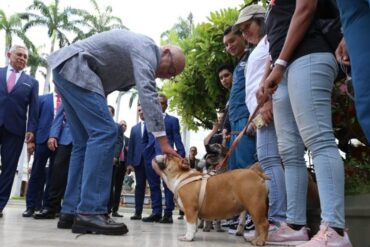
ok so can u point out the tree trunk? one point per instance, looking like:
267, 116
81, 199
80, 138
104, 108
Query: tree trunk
48, 70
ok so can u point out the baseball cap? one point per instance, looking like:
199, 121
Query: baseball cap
248, 12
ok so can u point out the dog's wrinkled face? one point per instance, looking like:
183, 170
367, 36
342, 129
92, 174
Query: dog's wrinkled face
169, 165
215, 154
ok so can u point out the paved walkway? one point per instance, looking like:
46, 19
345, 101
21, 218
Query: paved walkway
16, 231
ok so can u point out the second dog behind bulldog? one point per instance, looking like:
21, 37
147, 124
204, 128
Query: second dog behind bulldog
223, 196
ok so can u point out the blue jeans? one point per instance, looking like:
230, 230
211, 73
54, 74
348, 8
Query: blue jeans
269, 158
355, 17
244, 154
302, 115
94, 135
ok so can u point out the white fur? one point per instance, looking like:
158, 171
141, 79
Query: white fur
190, 232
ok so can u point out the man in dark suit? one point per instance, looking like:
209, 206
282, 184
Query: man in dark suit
59, 142
85, 73
18, 93
172, 127
135, 162
36, 184
119, 166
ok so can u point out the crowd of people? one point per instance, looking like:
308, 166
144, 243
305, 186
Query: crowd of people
284, 72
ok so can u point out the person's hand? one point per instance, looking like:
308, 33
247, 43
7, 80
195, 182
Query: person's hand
29, 137
115, 161
130, 168
341, 53
30, 148
251, 130
216, 126
165, 146
225, 135
52, 143
272, 81
266, 113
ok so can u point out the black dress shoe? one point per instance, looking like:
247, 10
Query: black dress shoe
116, 214
28, 213
135, 217
65, 221
167, 219
45, 214
99, 224
181, 217
152, 218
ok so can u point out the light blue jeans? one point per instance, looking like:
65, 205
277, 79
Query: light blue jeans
94, 136
302, 115
269, 158
355, 17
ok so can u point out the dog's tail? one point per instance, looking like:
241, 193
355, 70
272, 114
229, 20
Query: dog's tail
256, 167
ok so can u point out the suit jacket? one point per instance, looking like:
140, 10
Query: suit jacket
136, 146
119, 141
46, 116
14, 105
174, 138
60, 128
114, 60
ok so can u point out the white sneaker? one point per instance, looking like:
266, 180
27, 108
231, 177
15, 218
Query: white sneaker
328, 237
249, 235
286, 235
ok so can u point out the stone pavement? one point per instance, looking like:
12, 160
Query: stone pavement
16, 231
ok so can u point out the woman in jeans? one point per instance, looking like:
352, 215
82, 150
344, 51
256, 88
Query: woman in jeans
251, 22
302, 80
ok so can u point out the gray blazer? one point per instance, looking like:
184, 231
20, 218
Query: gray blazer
114, 60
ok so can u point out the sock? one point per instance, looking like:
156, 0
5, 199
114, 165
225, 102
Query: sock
295, 227
340, 231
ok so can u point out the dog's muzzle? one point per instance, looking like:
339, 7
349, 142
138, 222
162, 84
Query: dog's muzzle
161, 161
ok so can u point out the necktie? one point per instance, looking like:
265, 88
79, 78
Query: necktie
142, 128
58, 102
122, 154
11, 80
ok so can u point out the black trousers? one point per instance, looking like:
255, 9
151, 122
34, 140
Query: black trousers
58, 180
118, 175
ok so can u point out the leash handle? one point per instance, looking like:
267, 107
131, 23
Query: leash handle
237, 139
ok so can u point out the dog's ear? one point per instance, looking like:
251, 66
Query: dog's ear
184, 165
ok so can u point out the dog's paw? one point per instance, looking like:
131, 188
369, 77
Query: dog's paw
206, 229
258, 242
184, 238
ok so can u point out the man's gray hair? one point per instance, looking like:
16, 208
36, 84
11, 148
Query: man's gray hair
15, 47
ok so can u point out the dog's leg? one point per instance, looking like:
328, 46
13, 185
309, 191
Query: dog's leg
258, 214
191, 225
208, 225
201, 224
240, 229
218, 226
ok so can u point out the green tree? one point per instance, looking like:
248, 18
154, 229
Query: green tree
98, 21
59, 23
35, 60
12, 26
199, 93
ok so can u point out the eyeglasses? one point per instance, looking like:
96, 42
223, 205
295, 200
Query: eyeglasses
171, 69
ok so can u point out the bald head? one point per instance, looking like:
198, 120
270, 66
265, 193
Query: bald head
172, 62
